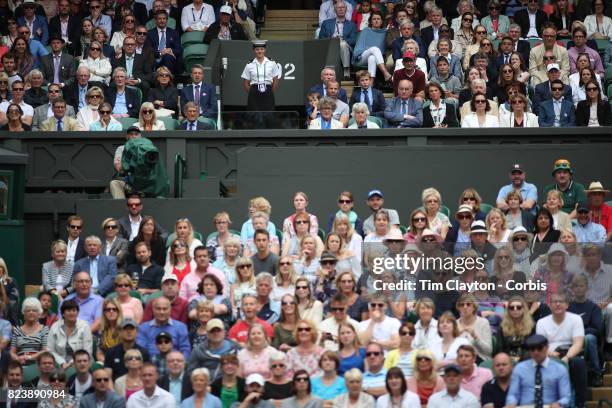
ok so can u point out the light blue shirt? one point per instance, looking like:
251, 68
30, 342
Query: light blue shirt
6, 330
175, 388
93, 272
129, 65
555, 380
371, 380
328, 392
369, 92
90, 309
590, 233
38, 50
210, 401
557, 104
120, 104
112, 126
82, 93
528, 192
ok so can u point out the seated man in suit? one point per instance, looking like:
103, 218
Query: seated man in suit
98, 18
66, 26
58, 66
201, 93
137, 69
173, 15
165, 42
103, 395
142, 47
369, 95
531, 20
431, 32
44, 112
191, 122
543, 90
557, 111
327, 74
59, 122
125, 100
539, 56
176, 376
521, 46
478, 86
403, 110
344, 29
225, 28
38, 24
76, 92
101, 268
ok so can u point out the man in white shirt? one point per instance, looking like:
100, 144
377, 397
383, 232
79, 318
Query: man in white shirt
18, 91
342, 109
197, 16
565, 334
76, 246
151, 396
80, 382
453, 396
375, 202
329, 327
380, 328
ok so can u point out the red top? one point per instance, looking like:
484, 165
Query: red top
240, 331
180, 274
603, 217
417, 79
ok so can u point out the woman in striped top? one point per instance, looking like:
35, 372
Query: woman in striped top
57, 273
30, 339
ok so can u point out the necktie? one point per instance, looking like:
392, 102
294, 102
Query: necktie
192, 126
82, 92
56, 69
93, 272
366, 99
162, 40
506, 58
196, 95
538, 399
404, 108
59, 125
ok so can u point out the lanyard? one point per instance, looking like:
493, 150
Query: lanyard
264, 72
201, 12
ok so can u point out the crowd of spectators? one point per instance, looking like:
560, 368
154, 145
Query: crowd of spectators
449, 64
260, 316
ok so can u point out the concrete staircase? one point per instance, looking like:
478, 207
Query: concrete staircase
290, 24
602, 393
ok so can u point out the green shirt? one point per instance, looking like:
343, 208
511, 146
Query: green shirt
571, 196
229, 396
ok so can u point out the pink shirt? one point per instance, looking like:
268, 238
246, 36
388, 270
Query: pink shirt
189, 286
132, 310
255, 364
476, 380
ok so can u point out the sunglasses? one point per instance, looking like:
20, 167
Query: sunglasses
373, 353
480, 101
141, 33
278, 366
284, 263
130, 44
164, 75
179, 246
507, 71
328, 262
592, 89
96, 7
133, 205
481, 32
516, 239
111, 309
515, 307
407, 333
469, 198
337, 309
104, 379
444, 30
428, 240
464, 304
18, 89
133, 358
375, 305
517, 102
129, 21
77, 227
344, 201
547, 58
419, 219
94, 49
288, 303
303, 329
110, 226
432, 201
244, 266
493, 8
464, 217
301, 287
486, 44
468, 20
302, 222
56, 380
301, 379
423, 358
95, 96
163, 341
105, 112
556, 88
147, 112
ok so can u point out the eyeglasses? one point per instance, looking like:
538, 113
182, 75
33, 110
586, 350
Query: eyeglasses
373, 353
284, 263
278, 366
407, 333
303, 329
111, 309
301, 379
147, 112
337, 309
516, 239
111, 226
104, 112
590, 89
377, 305
480, 101
103, 379
515, 307
301, 287
464, 217
179, 245
345, 201
133, 358
77, 227
302, 222
288, 303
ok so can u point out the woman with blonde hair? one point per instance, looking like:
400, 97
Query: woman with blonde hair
285, 327
11, 294
516, 325
245, 282
130, 383
256, 205
471, 197
343, 227
425, 380
347, 261
94, 97
300, 203
227, 262
432, 203
309, 308
284, 281
183, 229
57, 273
113, 244
147, 118
574, 252
554, 272
164, 94
418, 224
179, 261
300, 230
110, 327
98, 64
554, 204
350, 351
497, 227
307, 263
306, 355
203, 312
255, 357
131, 307
216, 240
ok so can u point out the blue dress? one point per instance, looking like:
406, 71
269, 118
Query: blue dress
354, 361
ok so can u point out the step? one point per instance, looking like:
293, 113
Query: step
607, 379
288, 26
293, 14
286, 35
601, 393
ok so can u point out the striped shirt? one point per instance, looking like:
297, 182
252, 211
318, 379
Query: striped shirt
25, 343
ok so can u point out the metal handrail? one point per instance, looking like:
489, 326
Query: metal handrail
180, 172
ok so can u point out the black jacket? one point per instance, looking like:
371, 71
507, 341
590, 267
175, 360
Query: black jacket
583, 113
236, 32
169, 95
151, 279
378, 102
521, 17
450, 118
186, 390
427, 35
199, 125
215, 388
131, 99
140, 68
74, 31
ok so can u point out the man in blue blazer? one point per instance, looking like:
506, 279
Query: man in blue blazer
101, 268
101, 381
132, 100
343, 28
547, 116
170, 51
191, 122
327, 74
369, 95
207, 100
40, 28
404, 111
542, 91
